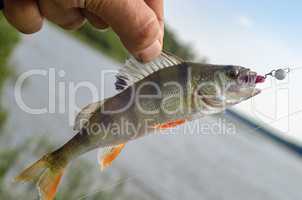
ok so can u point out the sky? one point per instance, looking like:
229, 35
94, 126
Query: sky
239, 31
262, 35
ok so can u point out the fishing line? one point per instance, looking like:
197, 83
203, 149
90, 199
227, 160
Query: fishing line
294, 69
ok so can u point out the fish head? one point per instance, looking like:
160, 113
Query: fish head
227, 85
240, 84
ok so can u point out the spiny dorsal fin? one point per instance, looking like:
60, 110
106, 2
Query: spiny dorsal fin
134, 70
84, 115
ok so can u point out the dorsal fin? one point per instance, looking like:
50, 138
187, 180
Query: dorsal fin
84, 115
134, 70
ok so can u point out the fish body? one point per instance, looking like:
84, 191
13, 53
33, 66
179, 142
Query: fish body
162, 94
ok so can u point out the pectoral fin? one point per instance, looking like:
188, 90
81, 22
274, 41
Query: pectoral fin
108, 154
170, 124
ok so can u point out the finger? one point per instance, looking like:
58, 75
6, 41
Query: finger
24, 15
67, 18
94, 20
158, 7
135, 23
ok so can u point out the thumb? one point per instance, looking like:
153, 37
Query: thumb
135, 23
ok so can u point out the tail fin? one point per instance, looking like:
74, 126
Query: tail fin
46, 177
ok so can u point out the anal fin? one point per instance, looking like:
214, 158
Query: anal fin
107, 155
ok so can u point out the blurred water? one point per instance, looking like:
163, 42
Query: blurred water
244, 165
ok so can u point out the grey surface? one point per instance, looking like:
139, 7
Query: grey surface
180, 165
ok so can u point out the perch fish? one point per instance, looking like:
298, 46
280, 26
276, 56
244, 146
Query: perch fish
152, 97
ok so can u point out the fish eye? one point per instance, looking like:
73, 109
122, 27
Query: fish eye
233, 71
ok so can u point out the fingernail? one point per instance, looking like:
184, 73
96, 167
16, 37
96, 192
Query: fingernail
150, 52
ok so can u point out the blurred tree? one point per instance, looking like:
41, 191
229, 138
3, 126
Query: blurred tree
8, 39
172, 44
109, 43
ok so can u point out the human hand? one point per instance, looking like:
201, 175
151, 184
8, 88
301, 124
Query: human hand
138, 23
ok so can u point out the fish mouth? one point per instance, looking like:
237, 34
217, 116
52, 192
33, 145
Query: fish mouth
246, 83
250, 78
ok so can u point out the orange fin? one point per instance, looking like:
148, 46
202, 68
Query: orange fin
170, 124
48, 184
107, 155
46, 176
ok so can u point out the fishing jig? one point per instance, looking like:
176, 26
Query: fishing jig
279, 74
